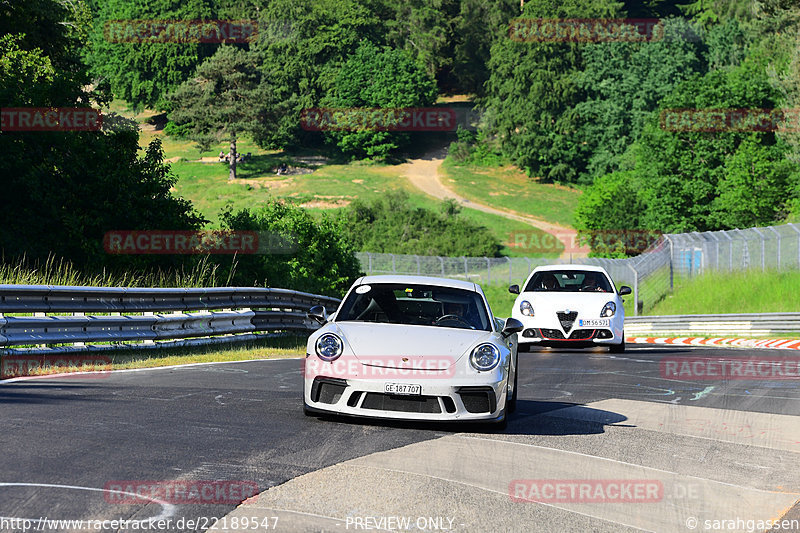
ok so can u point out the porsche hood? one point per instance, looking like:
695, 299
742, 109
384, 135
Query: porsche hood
395, 345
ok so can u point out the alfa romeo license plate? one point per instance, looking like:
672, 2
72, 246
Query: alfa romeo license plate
407, 389
594, 322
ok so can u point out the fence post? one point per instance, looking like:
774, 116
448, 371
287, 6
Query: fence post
763, 249
798, 243
529, 266
488, 272
369, 260
730, 251
716, 255
778, 257
635, 290
509, 269
418, 267
394, 266
466, 269
671, 273
441, 259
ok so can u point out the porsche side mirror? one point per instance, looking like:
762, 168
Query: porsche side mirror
512, 326
624, 290
318, 313
513, 289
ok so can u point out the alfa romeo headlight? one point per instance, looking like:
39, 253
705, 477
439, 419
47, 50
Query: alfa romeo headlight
329, 347
526, 308
484, 357
609, 309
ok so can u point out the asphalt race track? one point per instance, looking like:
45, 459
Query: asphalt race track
719, 455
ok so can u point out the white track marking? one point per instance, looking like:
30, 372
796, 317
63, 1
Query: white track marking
167, 509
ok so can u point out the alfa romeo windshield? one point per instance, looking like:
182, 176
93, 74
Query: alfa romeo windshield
568, 281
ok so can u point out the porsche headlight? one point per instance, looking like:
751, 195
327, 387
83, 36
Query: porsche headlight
329, 347
526, 308
484, 357
609, 309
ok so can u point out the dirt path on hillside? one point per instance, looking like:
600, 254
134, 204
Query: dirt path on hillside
424, 174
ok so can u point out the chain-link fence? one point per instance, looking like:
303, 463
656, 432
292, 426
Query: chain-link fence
651, 274
769, 248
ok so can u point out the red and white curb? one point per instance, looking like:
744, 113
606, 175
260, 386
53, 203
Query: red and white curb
728, 342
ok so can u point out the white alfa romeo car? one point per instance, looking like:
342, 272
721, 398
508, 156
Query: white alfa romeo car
412, 348
573, 306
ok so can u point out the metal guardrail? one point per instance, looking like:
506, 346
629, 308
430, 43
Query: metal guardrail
144, 317
749, 324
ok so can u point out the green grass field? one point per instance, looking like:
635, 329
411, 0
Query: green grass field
272, 348
329, 186
737, 292
500, 300
508, 187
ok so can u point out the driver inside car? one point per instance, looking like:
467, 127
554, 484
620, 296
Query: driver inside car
460, 310
591, 283
549, 282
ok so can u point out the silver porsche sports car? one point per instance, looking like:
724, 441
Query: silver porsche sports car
412, 348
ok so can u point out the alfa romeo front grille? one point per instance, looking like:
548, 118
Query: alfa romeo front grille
567, 319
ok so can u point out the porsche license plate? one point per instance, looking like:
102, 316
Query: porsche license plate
594, 322
407, 389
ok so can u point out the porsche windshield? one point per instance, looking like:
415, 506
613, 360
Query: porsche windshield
421, 305
568, 281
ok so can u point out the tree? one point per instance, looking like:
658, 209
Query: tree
391, 224
312, 256
753, 189
375, 78
144, 72
63, 190
478, 26
532, 91
623, 83
687, 179
301, 66
225, 98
